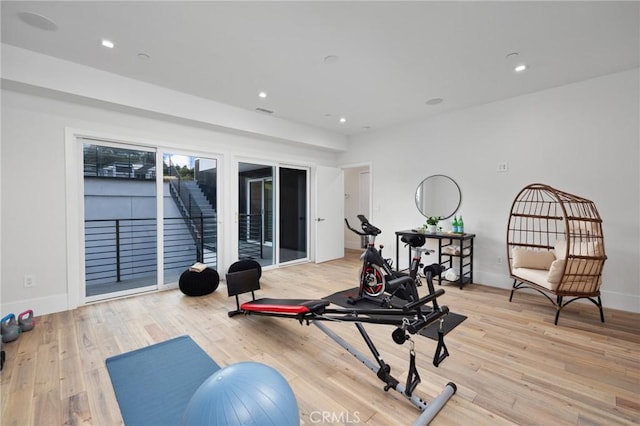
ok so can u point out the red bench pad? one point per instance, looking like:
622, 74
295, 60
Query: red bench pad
285, 306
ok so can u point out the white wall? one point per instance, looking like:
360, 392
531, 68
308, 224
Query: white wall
34, 209
582, 138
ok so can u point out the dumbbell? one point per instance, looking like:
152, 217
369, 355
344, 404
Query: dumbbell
26, 321
9, 328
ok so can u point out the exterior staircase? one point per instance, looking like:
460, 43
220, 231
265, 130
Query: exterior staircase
199, 204
197, 211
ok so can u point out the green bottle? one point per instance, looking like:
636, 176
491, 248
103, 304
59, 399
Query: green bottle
455, 225
460, 225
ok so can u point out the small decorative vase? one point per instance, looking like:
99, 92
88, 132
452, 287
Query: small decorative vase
432, 229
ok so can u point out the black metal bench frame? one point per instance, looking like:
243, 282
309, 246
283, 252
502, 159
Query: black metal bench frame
408, 320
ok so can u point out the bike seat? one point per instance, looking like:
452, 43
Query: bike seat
414, 240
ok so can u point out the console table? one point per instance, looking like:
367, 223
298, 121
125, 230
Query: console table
445, 258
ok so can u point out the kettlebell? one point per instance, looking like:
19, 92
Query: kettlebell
26, 321
9, 328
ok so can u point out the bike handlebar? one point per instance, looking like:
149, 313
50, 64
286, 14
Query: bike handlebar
353, 230
369, 229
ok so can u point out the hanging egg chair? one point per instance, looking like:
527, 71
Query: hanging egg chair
555, 246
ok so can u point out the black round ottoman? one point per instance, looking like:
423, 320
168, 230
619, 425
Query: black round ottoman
194, 283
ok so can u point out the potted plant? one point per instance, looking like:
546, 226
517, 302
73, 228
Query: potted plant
432, 223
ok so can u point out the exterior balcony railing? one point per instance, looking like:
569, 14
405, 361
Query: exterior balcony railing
118, 250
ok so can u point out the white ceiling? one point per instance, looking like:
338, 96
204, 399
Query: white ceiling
392, 56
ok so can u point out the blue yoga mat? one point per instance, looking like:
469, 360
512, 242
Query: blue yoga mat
154, 384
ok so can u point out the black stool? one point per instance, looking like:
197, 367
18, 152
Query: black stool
194, 283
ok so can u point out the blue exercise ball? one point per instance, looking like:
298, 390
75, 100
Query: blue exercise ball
246, 393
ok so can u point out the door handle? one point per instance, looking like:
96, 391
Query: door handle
320, 219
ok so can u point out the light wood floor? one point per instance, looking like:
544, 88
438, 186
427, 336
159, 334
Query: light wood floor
510, 363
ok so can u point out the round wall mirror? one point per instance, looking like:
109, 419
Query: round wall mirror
438, 195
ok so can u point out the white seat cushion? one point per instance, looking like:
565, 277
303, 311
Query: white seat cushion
536, 276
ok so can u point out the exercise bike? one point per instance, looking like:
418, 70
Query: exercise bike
377, 275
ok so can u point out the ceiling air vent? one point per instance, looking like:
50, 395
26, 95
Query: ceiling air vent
266, 111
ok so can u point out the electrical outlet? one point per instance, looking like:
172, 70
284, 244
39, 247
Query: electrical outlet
499, 260
503, 167
29, 280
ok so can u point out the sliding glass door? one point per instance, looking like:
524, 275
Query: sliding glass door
293, 214
256, 213
141, 229
266, 234
120, 219
190, 225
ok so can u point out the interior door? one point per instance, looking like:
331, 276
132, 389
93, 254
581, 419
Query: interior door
329, 220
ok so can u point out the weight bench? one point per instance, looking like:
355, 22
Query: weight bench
249, 281
408, 319
293, 307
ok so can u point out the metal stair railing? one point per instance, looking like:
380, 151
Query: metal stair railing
192, 213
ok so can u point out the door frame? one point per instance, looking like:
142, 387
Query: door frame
369, 169
74, 181
74, 184
235, 200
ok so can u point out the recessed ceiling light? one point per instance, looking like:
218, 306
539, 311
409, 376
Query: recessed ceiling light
262, 95
343, 120
434, 101
37, 21
107, 43
520, 68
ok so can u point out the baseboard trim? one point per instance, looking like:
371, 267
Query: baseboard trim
620, 301
39, 306
610, 299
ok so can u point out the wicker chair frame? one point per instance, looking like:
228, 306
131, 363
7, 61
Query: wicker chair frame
543, 218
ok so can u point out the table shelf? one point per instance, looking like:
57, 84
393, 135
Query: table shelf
464, 262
